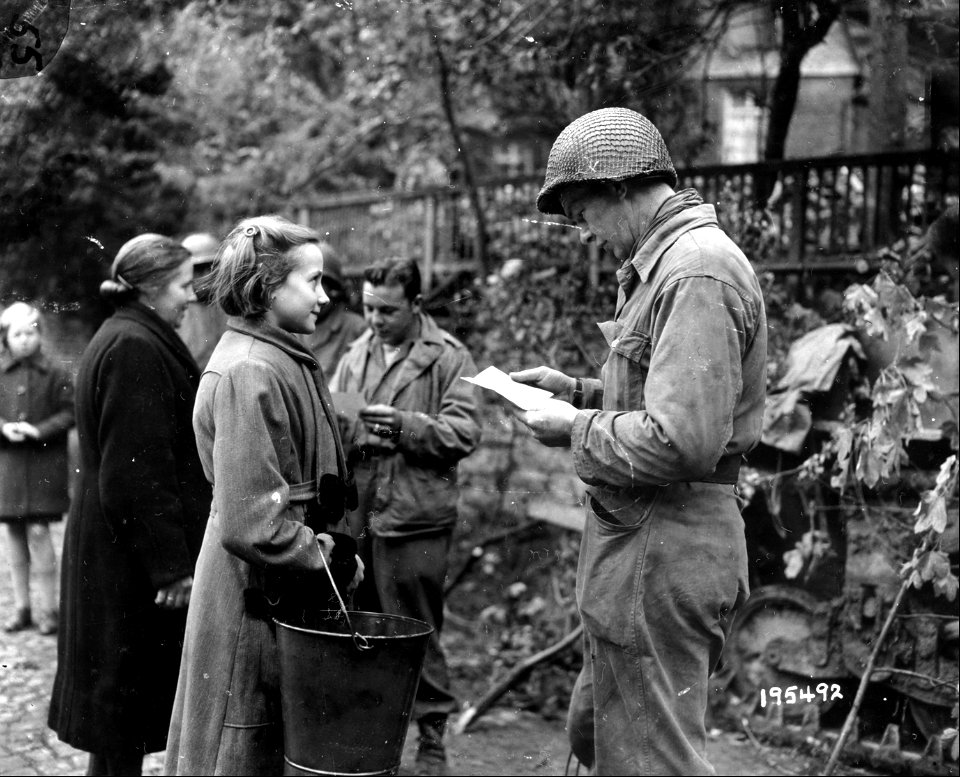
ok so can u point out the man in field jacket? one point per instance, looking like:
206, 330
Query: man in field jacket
663, 562
420, 419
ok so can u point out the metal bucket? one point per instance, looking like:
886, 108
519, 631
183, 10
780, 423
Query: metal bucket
347, 690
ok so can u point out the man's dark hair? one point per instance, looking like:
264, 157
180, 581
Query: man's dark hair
395, 272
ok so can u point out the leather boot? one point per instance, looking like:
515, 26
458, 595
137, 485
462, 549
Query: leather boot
431, 754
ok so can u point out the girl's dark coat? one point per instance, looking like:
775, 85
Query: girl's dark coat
135, 525
33, 473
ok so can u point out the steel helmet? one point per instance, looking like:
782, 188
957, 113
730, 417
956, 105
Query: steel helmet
611, 144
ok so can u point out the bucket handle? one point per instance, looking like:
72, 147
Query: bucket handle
359, 641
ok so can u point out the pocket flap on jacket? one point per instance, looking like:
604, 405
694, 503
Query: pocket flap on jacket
610, 330
631, 344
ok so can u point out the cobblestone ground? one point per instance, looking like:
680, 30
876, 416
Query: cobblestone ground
27, 665
510, 743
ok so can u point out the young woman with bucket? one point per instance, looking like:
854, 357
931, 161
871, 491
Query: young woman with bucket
268, 442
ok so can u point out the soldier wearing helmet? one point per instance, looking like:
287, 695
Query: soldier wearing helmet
658, 439
337, 325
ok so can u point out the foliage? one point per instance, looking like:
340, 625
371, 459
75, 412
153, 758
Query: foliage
871, 450
182, 116
347, 95
541, 308
173, 116
88, 138
592, 54
930, 564
185, 115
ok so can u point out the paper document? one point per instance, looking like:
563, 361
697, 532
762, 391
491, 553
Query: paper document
348, 403
520, 394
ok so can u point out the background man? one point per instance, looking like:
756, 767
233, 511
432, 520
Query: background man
663, 560
420, 420
337, 326
202, 324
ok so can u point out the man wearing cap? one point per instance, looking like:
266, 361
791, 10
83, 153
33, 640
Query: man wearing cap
337, 326
658, 440
202, 324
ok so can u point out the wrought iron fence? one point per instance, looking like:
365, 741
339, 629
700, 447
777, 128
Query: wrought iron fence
820, 212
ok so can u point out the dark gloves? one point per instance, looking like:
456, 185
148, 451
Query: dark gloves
343, 560
300, 597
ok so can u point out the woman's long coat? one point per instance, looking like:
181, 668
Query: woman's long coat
135, 525
265, 428
33, 473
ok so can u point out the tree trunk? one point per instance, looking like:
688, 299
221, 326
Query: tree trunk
805, 23
888, 102
469, 179
783, 100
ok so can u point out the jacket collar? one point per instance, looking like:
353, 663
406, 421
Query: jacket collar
645, 260
285, 341
38, 361
424, 351
141, 314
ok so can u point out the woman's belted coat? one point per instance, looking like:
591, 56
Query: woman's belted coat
265, 427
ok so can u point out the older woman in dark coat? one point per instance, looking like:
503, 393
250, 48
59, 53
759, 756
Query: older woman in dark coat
137, 521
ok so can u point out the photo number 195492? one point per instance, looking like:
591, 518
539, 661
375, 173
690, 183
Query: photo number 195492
799, 694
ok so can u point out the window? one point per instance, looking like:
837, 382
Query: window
744, 126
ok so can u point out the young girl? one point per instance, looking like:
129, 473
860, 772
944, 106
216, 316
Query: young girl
36, 411
269, 444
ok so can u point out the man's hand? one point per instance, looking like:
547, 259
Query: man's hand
175, 595
382, 419
552, 380
552, 423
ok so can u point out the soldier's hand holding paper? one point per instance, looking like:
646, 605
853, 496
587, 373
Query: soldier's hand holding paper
530, 392
551, 422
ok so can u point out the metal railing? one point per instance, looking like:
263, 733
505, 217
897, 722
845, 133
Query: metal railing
821, 212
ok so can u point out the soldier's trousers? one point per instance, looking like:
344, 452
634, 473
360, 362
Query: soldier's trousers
657, 591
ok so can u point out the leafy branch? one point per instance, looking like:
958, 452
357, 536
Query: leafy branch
873, 450
929, 564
